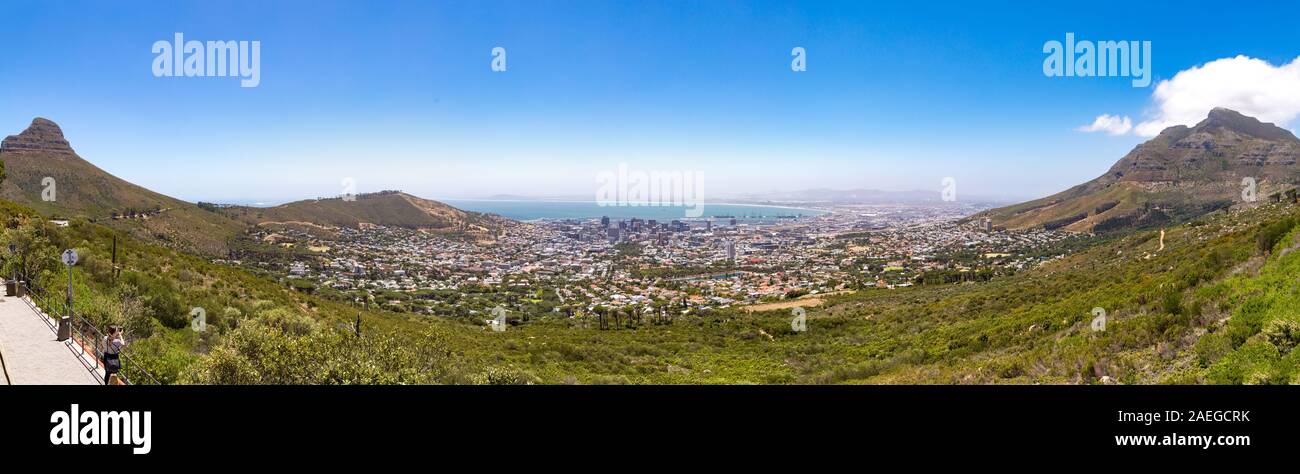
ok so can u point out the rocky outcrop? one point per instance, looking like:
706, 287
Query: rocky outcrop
1225, 143
41, 136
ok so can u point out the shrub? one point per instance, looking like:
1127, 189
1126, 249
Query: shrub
168, 309
1172, 303
1271, 234
1283, 334
261, 353
1211, 348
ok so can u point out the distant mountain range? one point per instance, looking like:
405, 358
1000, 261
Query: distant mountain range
1183, 173
80, 189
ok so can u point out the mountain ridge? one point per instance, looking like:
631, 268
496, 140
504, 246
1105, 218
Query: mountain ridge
81, 189
388, 208
45, 173
1182, 173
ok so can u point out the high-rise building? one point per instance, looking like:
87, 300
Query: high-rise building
604, 221
731, 250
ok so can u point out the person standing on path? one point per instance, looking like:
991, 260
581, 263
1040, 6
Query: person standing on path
113, 344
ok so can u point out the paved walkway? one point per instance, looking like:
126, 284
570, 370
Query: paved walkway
33, 356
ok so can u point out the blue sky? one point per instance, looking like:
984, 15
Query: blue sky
400, 95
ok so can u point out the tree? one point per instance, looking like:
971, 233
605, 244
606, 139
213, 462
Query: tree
33, 252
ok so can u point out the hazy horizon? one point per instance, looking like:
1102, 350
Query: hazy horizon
754, 198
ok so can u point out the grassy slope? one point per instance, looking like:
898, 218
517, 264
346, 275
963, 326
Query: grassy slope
1124, 197
389, 209
159, 286
84, 190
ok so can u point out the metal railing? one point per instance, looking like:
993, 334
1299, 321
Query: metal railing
84, 333
4, 369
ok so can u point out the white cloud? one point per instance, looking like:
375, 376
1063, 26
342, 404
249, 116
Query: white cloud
1248, 85
1112, 124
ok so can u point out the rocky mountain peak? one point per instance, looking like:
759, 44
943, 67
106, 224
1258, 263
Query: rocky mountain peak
1183, 173
42, 135
1224, 144
1227, 119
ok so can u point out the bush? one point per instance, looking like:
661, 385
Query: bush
1172, 303
1252, 363
1283, 334
168, 309
261, 353
1211, 348
1271, 234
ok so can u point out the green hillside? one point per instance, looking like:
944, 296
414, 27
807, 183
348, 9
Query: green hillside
1216, 305
46, 174
388, 208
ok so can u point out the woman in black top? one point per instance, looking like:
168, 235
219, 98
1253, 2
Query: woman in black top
113, 343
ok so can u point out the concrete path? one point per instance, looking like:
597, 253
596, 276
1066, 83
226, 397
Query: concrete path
33, 356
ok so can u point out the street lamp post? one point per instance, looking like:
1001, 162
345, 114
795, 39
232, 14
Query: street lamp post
65, 322
69, 259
